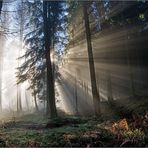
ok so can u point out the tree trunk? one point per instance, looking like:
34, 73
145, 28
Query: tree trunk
95, 93
128, 56
35, 102
76, 97
26, 99
0, 81
19, 102
1, 69
0, 88
109, 86
51, 105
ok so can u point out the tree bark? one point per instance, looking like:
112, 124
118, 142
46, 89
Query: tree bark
51, 105
109, 87
35, 102
1, 54
76, 97
26, 99
19, 101
95, 93
128, 56
2, 41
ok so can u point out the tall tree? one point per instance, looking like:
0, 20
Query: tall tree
1, 43
50, 82
54, 18
39, 40
1, 63
32, 68
35, 100
21, 32
95, 93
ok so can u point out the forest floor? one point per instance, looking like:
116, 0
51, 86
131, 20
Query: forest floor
36, 130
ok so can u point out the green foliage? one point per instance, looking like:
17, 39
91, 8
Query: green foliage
74, 132
134, 138
34, 67
128, 106
135, 135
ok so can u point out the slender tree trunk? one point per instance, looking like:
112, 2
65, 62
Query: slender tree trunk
129, 65
19, 104
19, 101
45, 92
36, 105
109, 87
1, 40
26, 99
95, 93
0, 79
1, 68
0, 90
51, 105
76, 97
35, 102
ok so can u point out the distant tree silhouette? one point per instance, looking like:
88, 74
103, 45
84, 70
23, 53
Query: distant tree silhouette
95, 93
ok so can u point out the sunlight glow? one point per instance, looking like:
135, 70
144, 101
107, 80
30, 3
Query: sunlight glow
9, 86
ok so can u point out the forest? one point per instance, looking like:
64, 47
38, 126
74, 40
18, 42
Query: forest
73, 73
